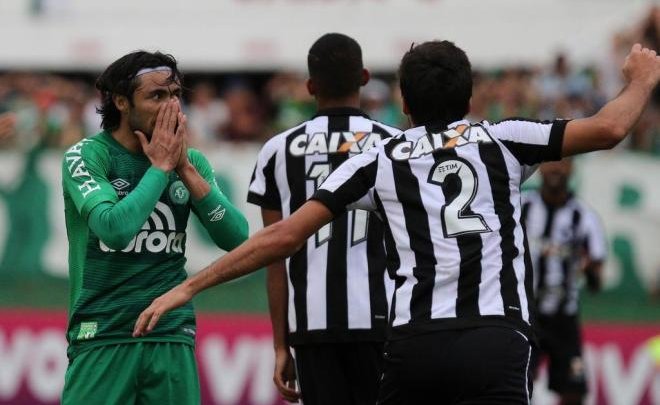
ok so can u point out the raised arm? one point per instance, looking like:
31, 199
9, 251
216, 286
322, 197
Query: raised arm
613, 122
225, 224
84, 178
117, 223
272, 243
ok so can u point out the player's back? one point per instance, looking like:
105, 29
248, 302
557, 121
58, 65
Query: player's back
339, 291
454, 215
450, 200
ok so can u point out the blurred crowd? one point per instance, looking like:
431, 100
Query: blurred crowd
56, 111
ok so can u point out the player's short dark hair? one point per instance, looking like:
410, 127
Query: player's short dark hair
335, 66
120, 79
436, 83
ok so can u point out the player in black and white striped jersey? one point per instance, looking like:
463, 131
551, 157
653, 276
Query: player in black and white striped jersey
337, 283
461, 320
566, 240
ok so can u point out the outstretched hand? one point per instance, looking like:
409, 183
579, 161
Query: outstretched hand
164, 147
642, 65
148, 319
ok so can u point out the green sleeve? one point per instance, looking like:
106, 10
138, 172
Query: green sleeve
223, 221
85, 181
84, 176
116, 224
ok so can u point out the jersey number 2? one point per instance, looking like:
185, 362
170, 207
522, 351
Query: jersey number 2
456, 220
318, 172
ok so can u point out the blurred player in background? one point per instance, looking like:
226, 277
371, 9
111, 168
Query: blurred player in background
566, 241
128, 192
448, 192
336, 299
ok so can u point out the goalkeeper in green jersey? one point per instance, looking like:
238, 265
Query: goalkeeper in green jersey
128, 192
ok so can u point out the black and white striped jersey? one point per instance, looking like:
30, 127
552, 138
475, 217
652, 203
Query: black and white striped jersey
450, 202
559, 240
338, 284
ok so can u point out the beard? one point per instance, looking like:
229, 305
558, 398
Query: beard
137, 123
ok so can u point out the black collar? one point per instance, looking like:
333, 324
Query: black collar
437, 126
345, 111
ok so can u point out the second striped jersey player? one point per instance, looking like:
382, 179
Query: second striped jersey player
334, 290
337, 280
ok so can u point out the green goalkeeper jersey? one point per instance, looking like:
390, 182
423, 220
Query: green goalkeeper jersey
126, 223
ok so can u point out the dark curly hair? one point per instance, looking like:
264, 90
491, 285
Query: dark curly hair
436, 83
120, 79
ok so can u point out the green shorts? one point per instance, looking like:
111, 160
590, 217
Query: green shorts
133, 373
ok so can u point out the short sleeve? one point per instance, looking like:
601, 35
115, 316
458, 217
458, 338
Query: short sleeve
531, 142
263, 190
351, 185
594, 237
84, 176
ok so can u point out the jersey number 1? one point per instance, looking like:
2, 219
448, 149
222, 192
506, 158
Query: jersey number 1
456, 220
318, 172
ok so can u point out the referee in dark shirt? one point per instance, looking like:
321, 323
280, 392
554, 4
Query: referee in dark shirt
442, 355
566, 242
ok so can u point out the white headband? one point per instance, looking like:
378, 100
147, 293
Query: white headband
153, 69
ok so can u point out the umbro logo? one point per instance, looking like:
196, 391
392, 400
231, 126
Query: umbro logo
217, 214
119, 184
